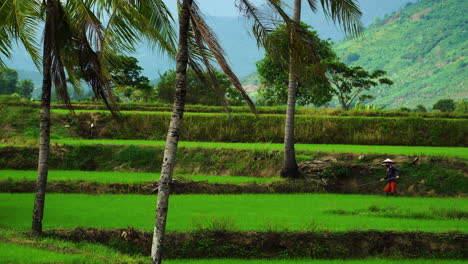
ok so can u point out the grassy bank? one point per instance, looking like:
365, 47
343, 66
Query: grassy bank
455, 152
16, 247
212, 127
430, 176
242, 212
124, 177
158, 107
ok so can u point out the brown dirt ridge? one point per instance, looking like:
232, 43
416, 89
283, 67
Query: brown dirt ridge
274, 244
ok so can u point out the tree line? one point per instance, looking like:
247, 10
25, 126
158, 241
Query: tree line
10, 84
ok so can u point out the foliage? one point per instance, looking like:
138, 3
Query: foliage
273, 71
350, 82
424, 55
8, 81
462, 107
444, 105
25, 88
420, 109
197, 91
9, 84
405, 109
129, 84
368, 106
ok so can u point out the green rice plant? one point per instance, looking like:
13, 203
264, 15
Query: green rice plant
12, 253
247, 212
124, 177
457, 152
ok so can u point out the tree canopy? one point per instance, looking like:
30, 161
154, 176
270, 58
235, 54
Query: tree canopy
348, 83
197, 91
273, 71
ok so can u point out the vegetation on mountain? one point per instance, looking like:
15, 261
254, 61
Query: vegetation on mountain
423, 49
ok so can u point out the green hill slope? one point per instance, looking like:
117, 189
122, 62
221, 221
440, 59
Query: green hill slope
423, 47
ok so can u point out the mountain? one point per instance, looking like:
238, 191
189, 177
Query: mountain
423, 48
232, 31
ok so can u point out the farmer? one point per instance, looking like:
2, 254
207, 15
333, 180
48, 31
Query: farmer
393, 173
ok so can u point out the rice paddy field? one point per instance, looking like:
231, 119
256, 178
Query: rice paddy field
243, 212
124, 177
456, 152
322, 213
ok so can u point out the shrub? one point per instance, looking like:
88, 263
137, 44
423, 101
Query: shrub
462, 107
445, 105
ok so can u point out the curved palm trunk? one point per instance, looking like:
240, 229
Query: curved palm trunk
38, 211
290, 169
172, 138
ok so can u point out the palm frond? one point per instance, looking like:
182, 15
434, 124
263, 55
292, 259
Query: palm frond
20, 21
199, 49
261, 19
346, 12
131, 22
210, 39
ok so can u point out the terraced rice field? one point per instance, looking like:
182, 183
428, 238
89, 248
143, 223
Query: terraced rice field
125, 177
242, 212
455, 152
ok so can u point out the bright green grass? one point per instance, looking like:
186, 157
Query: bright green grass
457, 152
221, 113
12, 253
313, 261
123, 177
241, 212
16, 247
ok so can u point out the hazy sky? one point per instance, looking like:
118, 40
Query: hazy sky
370, 8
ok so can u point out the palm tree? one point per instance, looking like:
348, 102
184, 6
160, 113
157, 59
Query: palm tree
72, 28
197, 47
345, 12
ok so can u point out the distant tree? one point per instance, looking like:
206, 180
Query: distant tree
274, 77
8, 80
349, 82
405, 109
444, 105
197, 90
25, 88
352, 57
462, 107
129, 83
420, 108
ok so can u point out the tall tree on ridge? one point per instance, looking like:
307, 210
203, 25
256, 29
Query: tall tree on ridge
198, 48
345, 12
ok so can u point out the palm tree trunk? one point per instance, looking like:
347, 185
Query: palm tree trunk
290, 169
38, 211
172, 139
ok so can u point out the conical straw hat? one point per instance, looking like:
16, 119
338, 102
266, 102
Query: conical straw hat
388, 161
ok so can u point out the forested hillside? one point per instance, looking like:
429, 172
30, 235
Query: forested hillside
423, 47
